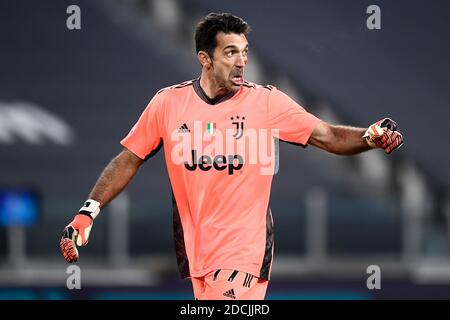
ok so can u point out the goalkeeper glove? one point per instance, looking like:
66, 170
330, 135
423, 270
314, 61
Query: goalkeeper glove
76, 233
383, 134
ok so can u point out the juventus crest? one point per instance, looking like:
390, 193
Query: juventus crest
239, 126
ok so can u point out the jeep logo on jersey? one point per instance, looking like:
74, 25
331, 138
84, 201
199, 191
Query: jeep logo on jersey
220, 162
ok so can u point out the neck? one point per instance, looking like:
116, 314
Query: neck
210, 86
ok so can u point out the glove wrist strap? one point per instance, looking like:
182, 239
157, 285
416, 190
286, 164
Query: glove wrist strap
90, 208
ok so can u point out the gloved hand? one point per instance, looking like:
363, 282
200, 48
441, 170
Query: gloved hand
384, 134
76, 233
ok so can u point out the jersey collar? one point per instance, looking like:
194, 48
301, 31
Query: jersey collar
202, 95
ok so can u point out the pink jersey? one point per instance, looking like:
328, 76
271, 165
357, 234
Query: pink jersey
221, 157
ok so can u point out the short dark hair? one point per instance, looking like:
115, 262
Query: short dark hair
212, 24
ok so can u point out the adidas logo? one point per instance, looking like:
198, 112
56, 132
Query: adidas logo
230, 294
183, 128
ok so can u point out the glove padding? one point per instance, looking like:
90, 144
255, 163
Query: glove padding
383, 134
75, 233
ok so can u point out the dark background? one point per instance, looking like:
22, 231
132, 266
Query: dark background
97, 80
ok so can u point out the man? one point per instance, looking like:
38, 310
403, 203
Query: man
222, 221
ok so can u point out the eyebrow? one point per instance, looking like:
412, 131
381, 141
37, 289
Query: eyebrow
233, 46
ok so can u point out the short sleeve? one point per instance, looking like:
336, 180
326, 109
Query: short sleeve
292, 122
145, 136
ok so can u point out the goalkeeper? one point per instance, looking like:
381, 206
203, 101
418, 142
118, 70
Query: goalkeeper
223, 226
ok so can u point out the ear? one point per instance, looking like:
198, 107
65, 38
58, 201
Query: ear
204, 59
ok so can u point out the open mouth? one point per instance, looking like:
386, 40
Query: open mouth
238, 80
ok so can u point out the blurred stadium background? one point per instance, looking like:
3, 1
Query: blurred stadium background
67, 97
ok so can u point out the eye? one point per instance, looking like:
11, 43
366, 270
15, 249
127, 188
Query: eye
229, 54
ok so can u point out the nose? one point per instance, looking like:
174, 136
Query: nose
241, 60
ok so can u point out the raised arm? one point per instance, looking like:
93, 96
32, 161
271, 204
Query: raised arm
347, 140
344, 140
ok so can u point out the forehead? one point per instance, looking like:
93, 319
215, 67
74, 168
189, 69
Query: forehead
231, 39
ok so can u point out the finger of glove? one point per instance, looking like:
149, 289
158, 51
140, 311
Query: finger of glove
389, 136
377, 141
82, 224
69, 232
380, 141
393, 142
398, 142
68, 250
83, 236
385, 139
